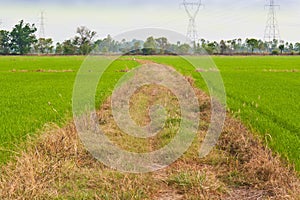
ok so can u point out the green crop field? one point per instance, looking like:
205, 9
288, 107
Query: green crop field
263, 91
38, 90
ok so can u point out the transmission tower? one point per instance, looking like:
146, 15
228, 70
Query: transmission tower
272, 29
192, 10
42, 26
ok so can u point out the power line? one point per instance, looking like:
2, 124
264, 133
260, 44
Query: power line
272, 29
192, 10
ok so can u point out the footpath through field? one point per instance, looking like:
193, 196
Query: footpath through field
57, 166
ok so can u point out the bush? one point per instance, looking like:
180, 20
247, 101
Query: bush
275, 52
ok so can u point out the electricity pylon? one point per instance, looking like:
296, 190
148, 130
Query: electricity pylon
42, 26
192, 10
272, 29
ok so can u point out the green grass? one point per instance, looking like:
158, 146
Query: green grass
30, 99
264, 92
269, 101
9, 63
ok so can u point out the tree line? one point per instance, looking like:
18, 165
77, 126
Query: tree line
22, 40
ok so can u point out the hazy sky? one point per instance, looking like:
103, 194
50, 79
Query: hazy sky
219, 19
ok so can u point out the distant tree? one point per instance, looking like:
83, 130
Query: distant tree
203, 42
98, 46
105, 50
137, 45
297, 47
274, 44
198, 49
281, 48
262, 47
44, 46
69, 48
23, 38
229, 46
286, 47
216, 47
85, 40
150, 46
252, 44
184, 49
223, 46
174, 48
125, 46
234, 45
162, 44
291, 47
59, 48
108, 44
150, 43
239, 45
4, 42
209, 48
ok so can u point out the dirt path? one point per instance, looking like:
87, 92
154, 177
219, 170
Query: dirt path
56, 165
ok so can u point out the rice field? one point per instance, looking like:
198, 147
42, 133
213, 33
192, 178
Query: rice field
36, 91
264, 92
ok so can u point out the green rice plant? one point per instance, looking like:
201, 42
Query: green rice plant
264, 92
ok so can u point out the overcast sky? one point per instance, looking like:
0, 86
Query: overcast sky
218, 19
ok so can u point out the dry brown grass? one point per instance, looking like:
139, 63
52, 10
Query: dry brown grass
57, 166
282, 70
43, 71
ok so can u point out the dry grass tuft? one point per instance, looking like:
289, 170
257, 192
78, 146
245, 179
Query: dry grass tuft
43, 71
251, 169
